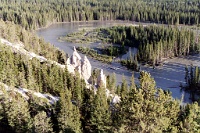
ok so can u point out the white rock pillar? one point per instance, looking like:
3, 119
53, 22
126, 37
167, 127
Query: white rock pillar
101, 79
75, 58
86, 69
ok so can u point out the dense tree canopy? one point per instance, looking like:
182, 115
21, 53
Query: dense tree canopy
32, 43
154, 42
32, 14
80, 111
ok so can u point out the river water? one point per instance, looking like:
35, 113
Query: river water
168, 77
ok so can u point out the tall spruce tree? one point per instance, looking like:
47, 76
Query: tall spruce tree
150, 109
69, 116
42, 123
17, 112
77, 92
100, 113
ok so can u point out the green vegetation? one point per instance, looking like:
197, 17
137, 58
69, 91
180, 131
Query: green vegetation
114, 51
86, 36
192, 79
33, 14
105, 54
131, 63
155, 43
32, 43
143, 108
94, 54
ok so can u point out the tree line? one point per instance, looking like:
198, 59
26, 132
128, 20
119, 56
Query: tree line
155, 43
18, 35
33, 14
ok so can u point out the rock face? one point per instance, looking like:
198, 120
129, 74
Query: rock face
75, 59
86, 68
70, 68
101, 80
83, 67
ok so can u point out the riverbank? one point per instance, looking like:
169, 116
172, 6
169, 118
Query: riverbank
126, 22
91, 21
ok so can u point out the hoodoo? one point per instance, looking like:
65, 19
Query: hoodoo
86, 68
75, 59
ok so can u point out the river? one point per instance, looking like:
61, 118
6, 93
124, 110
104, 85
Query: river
168, 77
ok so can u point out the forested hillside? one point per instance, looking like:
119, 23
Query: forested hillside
142, 108
32, 14
32, 43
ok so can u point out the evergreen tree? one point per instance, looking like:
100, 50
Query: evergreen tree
88, 98
132, 86
190, 118
69, 116
42, 123
124, 88
78, 90
149, 109
18, 115
100, 114
113, 83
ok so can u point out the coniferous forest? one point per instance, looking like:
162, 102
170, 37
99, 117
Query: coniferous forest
143, 108
32, 14
155, 43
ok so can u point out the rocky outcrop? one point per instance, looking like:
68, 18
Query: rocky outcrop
101, 80
26, 93
116, 99
86, 69
19, 48
70, 68
75, 59
83, 67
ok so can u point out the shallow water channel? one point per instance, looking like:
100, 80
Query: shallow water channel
168, 77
